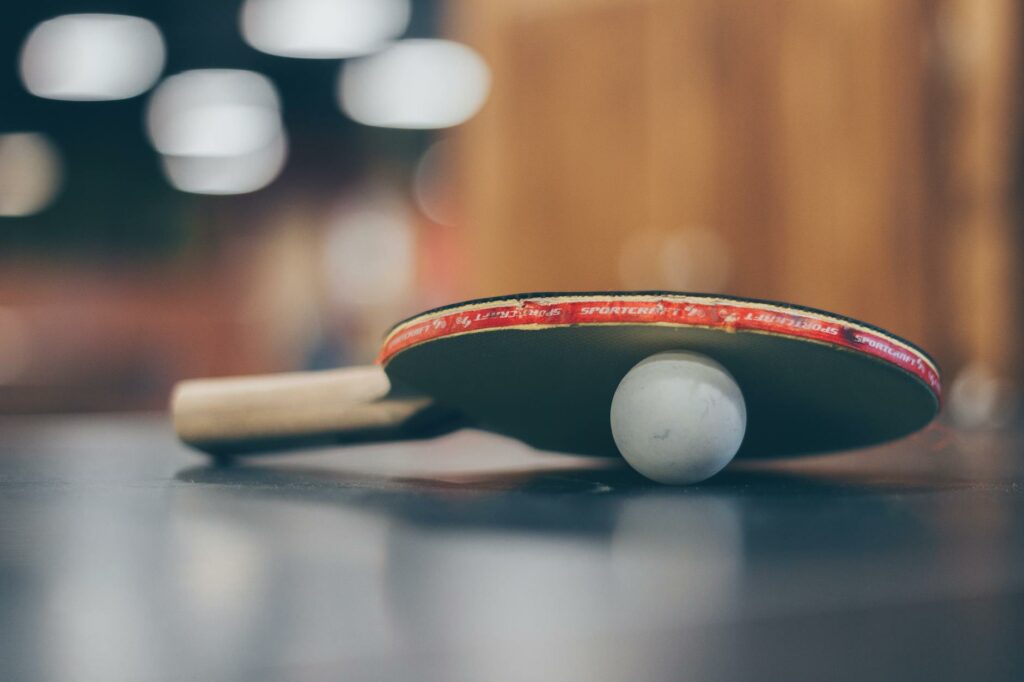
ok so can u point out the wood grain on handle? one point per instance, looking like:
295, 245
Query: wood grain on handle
255, 413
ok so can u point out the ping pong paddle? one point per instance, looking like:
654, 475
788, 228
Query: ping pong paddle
543, 368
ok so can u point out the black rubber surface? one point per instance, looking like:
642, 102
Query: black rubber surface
552, 388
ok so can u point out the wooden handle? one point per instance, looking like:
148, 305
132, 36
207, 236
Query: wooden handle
256, 413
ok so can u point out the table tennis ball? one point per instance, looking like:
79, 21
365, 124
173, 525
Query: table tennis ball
678, 417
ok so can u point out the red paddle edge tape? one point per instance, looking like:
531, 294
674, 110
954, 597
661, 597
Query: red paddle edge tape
672, 311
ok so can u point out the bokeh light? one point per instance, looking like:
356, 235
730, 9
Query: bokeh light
370, 252
213, 112
30, 173
92, 57
219, 130
319, 29
432, 183
415, 84
237, 174
689, 259
979, 398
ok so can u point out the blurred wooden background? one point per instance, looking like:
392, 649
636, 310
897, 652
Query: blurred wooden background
854, 155
861, 156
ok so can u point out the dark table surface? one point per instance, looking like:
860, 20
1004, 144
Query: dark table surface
125, 556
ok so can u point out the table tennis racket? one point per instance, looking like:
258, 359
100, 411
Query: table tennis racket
543, 368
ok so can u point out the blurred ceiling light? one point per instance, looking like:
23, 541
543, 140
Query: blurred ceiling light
370, 254
30, 173
322, 29
213, 113
238, 174
415, 84
432, 183
92, 57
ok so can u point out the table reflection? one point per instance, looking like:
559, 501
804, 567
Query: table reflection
472, 557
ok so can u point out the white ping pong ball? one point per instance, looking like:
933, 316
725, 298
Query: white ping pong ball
678, 417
